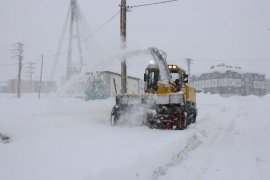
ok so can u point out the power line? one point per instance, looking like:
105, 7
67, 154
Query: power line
56, 54
3, 65
150, 4
35, 60
100, 27
5, 54
30, 70
5, 49
104, 24
189, 62
2, 45
19, 49
85, 39
40, 77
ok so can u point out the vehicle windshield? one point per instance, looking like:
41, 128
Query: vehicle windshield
175, 76
153, 77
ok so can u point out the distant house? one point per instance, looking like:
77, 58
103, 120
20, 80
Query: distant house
3, 87
229, 80
31, 86
267, 86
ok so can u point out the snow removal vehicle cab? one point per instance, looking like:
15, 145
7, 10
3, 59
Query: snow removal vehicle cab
168, 102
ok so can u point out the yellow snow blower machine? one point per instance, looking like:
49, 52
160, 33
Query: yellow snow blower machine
168, 102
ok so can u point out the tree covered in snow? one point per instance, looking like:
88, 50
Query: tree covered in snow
89, 85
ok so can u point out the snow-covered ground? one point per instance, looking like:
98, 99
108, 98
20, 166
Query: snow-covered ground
61, 138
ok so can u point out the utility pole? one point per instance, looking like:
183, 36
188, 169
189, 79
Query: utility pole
123, 77
74, 20
40, 77
123, 34
30, 72
123, 23
19, 51
189, 62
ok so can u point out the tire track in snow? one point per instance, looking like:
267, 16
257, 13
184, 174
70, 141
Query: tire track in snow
208, 137
192, 144
215, 136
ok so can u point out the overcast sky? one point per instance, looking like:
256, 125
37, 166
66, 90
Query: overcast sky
210, 31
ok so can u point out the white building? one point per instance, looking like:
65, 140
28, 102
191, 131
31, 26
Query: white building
267, 86
106, 84
134, 85
229, 80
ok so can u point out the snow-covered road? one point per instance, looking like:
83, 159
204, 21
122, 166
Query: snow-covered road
234, 135
65, 138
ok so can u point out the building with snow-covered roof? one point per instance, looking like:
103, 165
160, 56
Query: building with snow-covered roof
31, 86
267, 86
229, 80
106, 84
3, 87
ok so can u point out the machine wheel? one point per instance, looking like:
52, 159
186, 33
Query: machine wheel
184, 125
194, 115
189, 120
114, 115
194, 118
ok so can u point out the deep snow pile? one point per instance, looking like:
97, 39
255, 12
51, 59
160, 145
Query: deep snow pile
68, 138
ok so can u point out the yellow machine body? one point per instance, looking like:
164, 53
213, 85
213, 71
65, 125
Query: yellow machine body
170, 87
